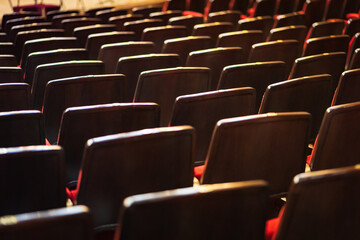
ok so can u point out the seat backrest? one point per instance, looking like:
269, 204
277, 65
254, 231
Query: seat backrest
236, 209
326, 63
14, 15
285, 6
280, 50
47, 72
82, 33
21, 128
145, 11
322, 204
96, 40
244, 39
82, 123
11, 75
355, 60
327, 28
166, 15
132, 66
212, 30
300, 94
8, 60
338, 140
27, 27
107, 13
217, 5
327, 44
165, 85
264, 7
59, 18
263, 23
51, 14
352, 27
52, 56
7, 48
289, 19
46, 44
32, 179
297, 32
78, 91
188, 21
346, 91
353, 45
72, 223
139, 25
14, 96
120, 20
158, 35
225, 16
203, 110
70, 24
215, 59
136, 162
24, 36
243, 148
111, 53
183, 46
258, 75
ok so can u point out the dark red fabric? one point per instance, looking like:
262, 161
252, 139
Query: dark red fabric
47, 143
72, 194
191, 13
272, 226
352, 15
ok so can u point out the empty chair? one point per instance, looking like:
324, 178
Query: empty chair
165, 16
70, 24
120, 20
14, 15
59, 18
234, 153
167, 154
264, 7
326, 63
78, 91
27, 27
95, 41
7, 48
92, 11
244, 39
7, 60
183, 46
164, 211
60, 55
82, 33
352, 27
334, 43
215, 59
158, 35
32, 179
310, 94
338, 141
138, 26
258, 75
298, 33
82, 123
353, 45
212, 30
47, 72
146, 10
108, 13
289, 19
14, 96
21, 21
225, 16
339, 193
203, 110
347, 89
24, 36
313, 11
111, 53
72, 223
164, 85
132, 66
280, 50
188, 21
51, 14
46, 44
263, 23
327, 28
11, 75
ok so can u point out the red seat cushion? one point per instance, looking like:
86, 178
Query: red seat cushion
272, 226
198, 171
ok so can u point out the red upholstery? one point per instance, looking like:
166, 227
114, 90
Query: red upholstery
47, 143
71, 194
198, 171
191, 13
272, 226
